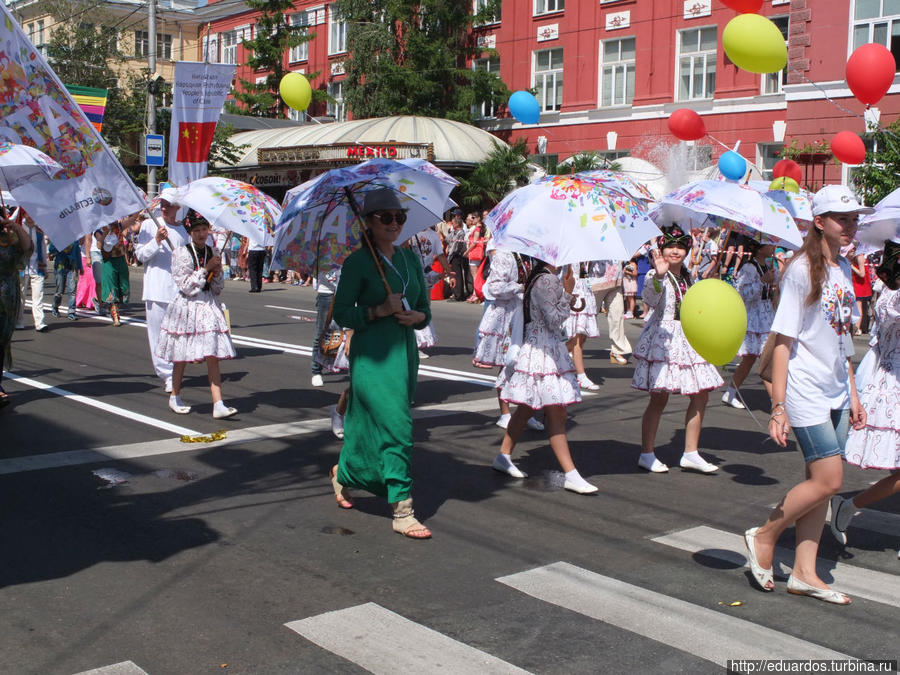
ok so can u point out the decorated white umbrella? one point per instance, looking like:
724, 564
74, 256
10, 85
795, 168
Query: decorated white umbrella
567, 219
616, 180
21, 164
232, 205
883, 223
730, 205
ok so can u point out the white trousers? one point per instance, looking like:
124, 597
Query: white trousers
36, 281
615, 320
155, 312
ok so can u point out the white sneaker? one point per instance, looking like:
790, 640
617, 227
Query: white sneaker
503, 420
176, 405
317, 381
653, 467
168, 385
222, 411
337, 424
535, 424
702, 466
584, 488
422, 355
730, 397
628, 315
585, 383
507, 467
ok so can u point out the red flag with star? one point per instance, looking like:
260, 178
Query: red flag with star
194, 141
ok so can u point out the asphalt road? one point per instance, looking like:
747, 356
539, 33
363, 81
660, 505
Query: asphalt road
231, 556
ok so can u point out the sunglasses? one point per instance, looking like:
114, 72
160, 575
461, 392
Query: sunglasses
386, 218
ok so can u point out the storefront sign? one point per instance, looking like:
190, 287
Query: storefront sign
343, 153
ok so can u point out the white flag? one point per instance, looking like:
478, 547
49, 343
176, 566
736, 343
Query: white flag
36, 110
197, 100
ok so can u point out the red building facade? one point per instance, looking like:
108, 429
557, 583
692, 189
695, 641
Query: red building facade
608, 73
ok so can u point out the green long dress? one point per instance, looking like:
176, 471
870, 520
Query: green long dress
384, 362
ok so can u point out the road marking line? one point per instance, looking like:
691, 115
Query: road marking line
857, 582
124, 668
382, 641
106, 407
292, 309
174, 445
707, 633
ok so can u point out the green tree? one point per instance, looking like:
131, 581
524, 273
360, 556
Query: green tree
877, 178
504, 169
411, 58
275, 36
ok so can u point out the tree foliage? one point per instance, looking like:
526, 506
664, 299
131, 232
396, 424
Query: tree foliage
275, 37
880, 174
410, 58
504, 169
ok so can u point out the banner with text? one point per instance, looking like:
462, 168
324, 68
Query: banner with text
37, 110
197, 99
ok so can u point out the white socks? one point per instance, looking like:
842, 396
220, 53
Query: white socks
575, 478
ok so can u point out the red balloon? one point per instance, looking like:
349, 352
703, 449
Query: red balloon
744, 6
686, 125
848, 148
870, 72
787, 168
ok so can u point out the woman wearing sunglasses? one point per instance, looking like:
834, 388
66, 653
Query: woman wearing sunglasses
384, 361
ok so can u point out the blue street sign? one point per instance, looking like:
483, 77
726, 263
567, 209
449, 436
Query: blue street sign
154, 150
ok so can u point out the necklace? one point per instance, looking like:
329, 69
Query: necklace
198, 262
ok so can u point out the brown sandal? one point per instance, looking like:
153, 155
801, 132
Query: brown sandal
341, 494
405, 522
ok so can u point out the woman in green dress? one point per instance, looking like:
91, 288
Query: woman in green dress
15, 245
384, 362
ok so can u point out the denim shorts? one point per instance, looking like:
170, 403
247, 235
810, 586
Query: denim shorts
826, 439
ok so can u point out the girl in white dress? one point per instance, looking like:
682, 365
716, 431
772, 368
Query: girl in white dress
755, 283
664, 360
582, 324
194, 327
543, 375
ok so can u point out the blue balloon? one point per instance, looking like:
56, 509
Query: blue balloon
732, 165
524, 107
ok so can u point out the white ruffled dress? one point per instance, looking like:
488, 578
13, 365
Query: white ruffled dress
503, 294
585, 321
194, 325
877, 446
664, 359
543, 373
760, 312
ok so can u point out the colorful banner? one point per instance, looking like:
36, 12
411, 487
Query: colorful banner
36, 110
197, 99
92, 102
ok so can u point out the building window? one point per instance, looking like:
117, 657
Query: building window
548, 78
337, 33
210, 47
337, 109
229, 42
697, 63
547, 6
141, 43
301, 51
767, 156
877, 21
617, 72
773, 83
480, 5
164, 46
486, 108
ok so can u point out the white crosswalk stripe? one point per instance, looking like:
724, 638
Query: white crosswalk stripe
124, 668
660, 617
381, 641
855, 581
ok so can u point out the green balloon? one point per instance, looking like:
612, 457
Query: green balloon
714, 320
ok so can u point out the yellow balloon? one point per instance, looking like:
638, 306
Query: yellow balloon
714, 320
755, 43
295, 91
785, 183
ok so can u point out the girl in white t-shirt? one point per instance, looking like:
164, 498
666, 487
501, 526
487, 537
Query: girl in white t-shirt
813, 389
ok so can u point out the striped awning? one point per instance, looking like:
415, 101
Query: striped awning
92, 101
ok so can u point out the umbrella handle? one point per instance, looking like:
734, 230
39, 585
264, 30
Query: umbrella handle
355, 207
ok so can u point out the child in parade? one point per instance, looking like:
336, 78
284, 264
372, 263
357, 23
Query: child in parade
582, 324
543, 375
194, 327
755, 283
813, 390
665, 361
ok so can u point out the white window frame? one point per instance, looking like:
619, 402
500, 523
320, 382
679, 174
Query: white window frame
298, 115
477, 6
229, 41
337, 110
486, 109
878, 29
304, 19
554, 75
141, 43
708, 59
772, 157
161, 46
773, 83
337, 34
542, 7
616, 66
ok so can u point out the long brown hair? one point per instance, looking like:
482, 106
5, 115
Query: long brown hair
812, 251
